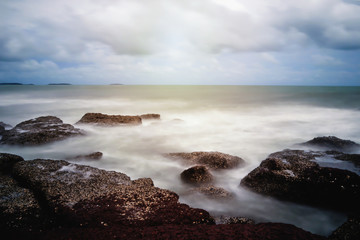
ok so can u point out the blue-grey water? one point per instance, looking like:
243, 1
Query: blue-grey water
246, 121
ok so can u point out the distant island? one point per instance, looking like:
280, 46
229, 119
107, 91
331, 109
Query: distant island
59, 84
15, 84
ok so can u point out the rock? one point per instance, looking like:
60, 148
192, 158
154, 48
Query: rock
7, 161
332, 143
234, 220
214, 192
150, 116
85, 196
19, 209
291, 175
2, 130
354, 158
213, 160
350, 230
91, 156
40, 130
196, 175
109, 120
5, 125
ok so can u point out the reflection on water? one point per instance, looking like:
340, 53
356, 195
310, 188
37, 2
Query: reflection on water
250, 122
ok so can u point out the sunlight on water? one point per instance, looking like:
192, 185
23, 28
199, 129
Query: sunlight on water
249, 122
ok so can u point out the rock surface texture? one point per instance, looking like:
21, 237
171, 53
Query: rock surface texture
291, 175
38, 131
197, 175
213, 160
150, 116
332, 143
109, 120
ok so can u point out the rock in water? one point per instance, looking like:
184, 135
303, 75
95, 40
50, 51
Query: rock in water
291, 175
91, 156
2, 130
109, 120
214, 192
150, 116
332, 143
196, 175
5, 125
85, 196
38, 131
350, 230
213, 160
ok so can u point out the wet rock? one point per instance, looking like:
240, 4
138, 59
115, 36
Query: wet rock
40, 130
196, 175
19, 209
214, 192
291, 175
150, 116
109, 120
213, 160
91, 156
5, 125
350, 230
7, 161
332, 143
234, 220
85, 196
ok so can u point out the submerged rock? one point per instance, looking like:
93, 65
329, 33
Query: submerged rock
214, 192
332, 143
38, 131
150, 116
109, 120
213, 160
85, 196
291, 175
91, 156
197, 175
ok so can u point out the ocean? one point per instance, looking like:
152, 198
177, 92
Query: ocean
247, 121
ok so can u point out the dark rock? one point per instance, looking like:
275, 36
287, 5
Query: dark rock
350, 230
91, 156
2, 130
196, 175
261, 231
354, 158
234, 220
19, 209
85, 196
213, 160
7, 161
5, 126
214, 192
150, 116
291, 175
40, 130
109, 120
332, 143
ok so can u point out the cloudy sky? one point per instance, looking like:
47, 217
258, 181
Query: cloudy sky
269, 42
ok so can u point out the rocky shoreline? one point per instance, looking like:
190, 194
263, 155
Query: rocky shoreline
56, 199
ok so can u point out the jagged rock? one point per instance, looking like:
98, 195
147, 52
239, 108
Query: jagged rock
7, 161
350, 230
91, 156
85, 196
213, 160
291, 175
109, 120
234, 220
150, 116
40, 130
196, 175
214, 192
332, 143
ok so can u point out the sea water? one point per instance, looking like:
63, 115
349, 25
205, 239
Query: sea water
247, 121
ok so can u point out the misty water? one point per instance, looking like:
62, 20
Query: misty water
247, 121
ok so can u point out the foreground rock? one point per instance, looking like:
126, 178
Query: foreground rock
40, 130
84, 196
350, 230
332, 143
7, 161
197, 175
291, 175
91, 156
109, 120
150, 116
213, 160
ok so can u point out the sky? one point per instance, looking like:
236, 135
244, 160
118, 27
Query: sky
225, 42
